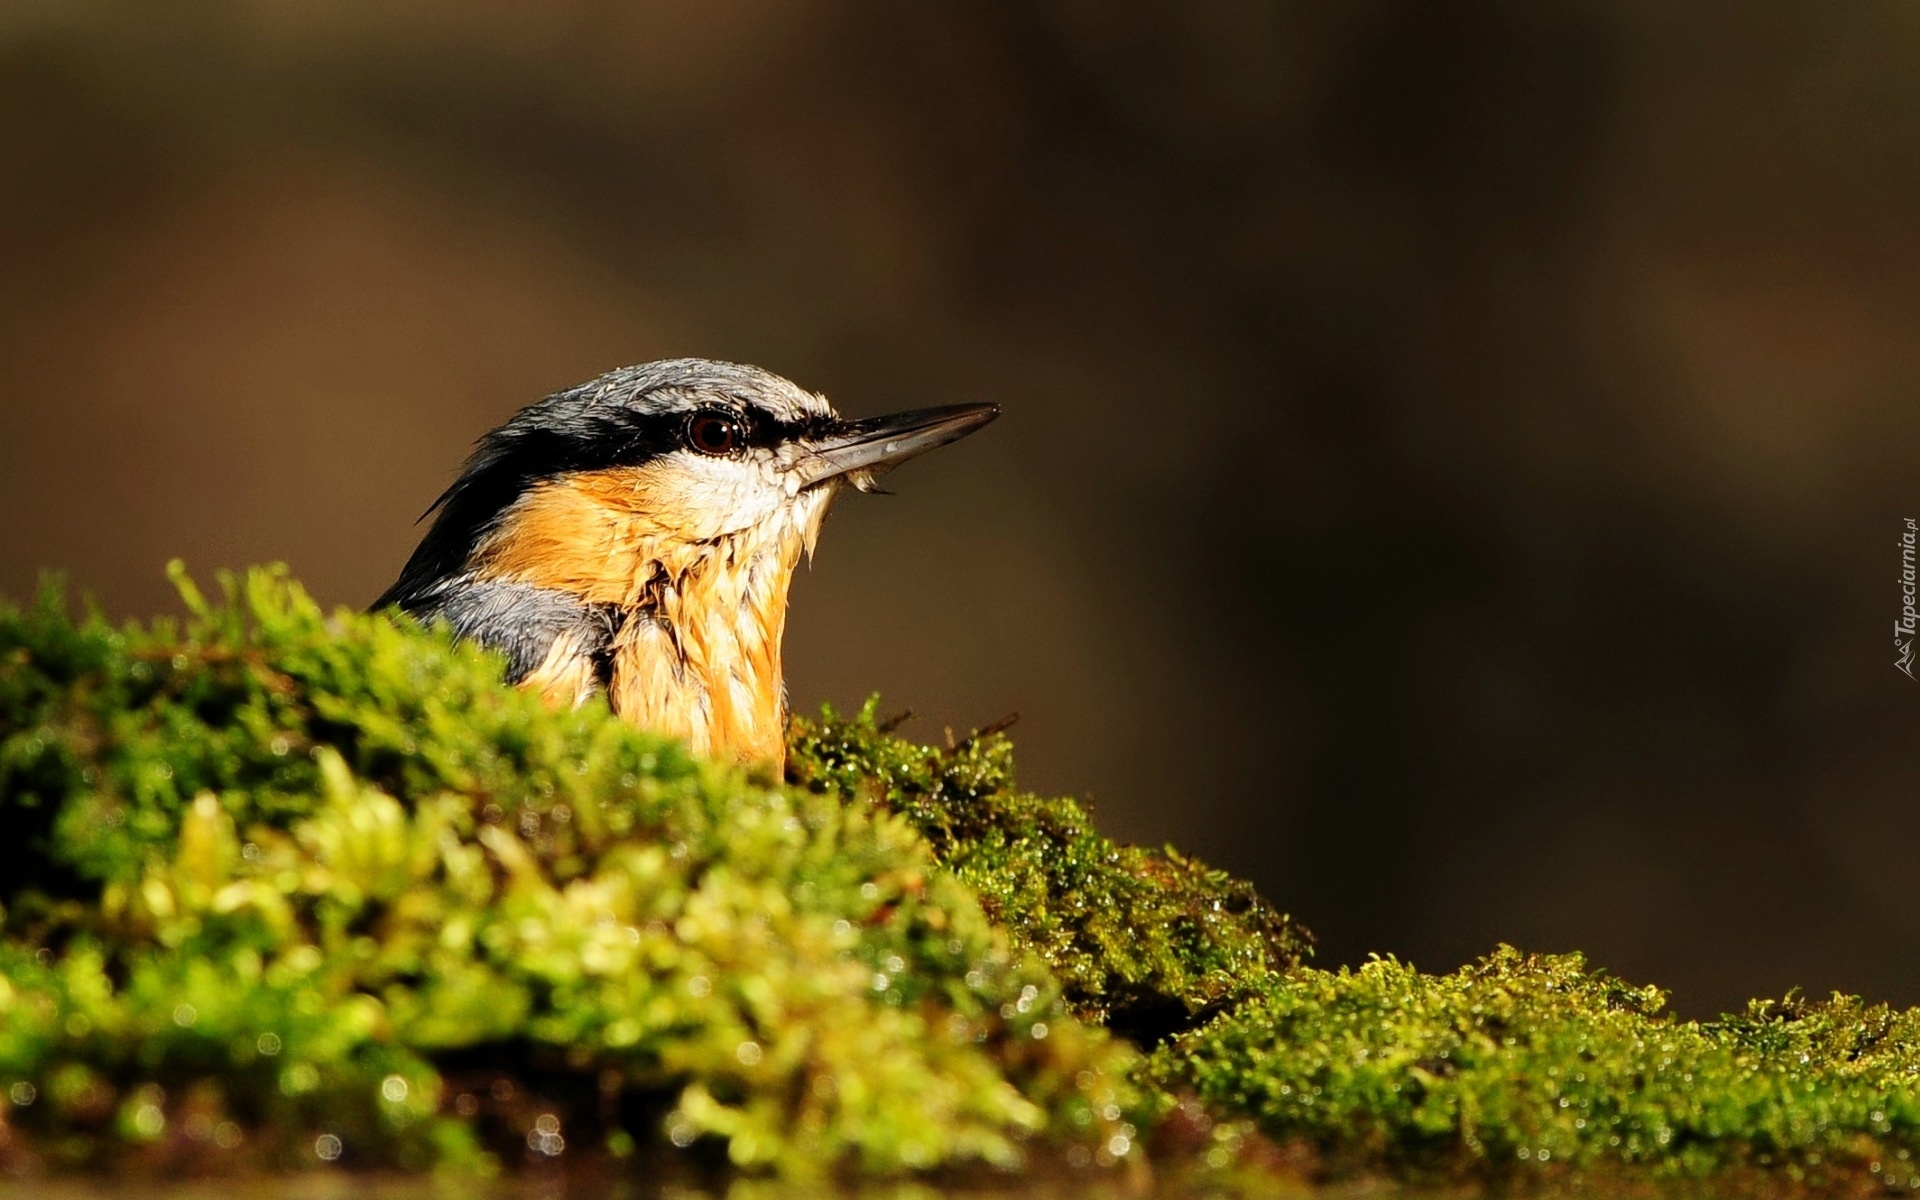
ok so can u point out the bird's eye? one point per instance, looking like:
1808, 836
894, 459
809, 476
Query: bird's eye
713, 432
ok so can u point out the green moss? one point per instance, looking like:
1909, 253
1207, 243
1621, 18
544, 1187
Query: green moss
1534, 1065
279, 886
1144, 941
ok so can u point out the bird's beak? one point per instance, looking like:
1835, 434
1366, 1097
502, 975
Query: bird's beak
861, 450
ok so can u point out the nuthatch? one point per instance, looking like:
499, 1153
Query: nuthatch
636, 535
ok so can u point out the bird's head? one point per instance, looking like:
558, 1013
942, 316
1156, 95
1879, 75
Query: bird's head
668, 502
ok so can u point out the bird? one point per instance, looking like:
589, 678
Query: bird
635, 537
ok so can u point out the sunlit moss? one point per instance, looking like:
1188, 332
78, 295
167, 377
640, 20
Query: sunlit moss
1142, 940
282, 887
279, 888
1516, 1068
1534, 1065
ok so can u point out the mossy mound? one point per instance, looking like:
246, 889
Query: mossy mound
1534, 1066
278, 888
284, 888
1146, 942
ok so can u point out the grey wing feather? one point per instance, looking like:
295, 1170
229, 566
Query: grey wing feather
518, 619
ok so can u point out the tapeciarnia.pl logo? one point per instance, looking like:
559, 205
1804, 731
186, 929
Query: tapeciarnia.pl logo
1904, 627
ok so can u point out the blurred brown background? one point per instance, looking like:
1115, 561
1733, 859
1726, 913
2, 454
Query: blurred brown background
1453, 454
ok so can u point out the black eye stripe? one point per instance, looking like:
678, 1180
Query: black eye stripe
755, 430
613, 436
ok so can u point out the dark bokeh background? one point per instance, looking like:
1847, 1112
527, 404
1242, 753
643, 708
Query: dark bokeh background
1454, 454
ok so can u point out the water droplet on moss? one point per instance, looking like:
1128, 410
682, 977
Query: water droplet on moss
149, 1121
552, 1145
